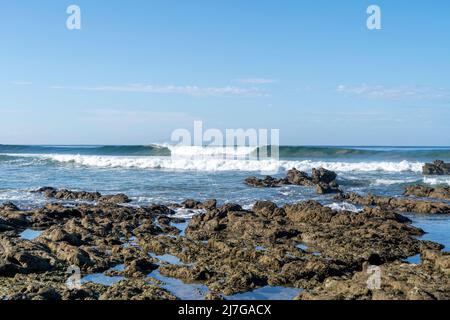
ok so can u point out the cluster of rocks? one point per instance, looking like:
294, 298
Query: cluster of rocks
64, 194
324, 180
226, 248
397, 281
396, 204
437, 167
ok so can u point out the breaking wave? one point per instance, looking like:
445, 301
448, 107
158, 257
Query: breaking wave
214, 164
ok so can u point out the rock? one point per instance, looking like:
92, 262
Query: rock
209, 204
140, 266
191, 204
9, 206
21, 256
267, 182
397, 204
438, 167
324, 180
391, 281
322, 175
325, 188
136, 289
427, 192
114, 199
64, 194
299, 178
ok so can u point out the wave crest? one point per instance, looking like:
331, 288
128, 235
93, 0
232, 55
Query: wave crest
212, 164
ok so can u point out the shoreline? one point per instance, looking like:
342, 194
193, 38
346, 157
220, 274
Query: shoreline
222, 251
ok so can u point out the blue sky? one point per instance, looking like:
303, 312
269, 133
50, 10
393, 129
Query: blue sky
137, 70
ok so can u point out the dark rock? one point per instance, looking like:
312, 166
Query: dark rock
322, 175
324, 180
114, 199
141, 266
9, 206
191, 204
438, 167
267, 182
209, 204
299, 178
325, 188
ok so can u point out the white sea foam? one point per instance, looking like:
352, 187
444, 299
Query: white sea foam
343, 206
214, 164
210, 151
187, 213
388, 182
437, 180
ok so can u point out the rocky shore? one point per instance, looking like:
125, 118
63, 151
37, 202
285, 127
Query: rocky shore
223, 249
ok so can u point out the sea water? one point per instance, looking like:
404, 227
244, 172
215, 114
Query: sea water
167, 174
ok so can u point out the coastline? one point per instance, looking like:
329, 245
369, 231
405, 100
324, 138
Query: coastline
302, 250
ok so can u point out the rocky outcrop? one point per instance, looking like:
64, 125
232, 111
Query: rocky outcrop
427, 192
323, 179
225, 248
64, 194
396, 204
438, 167
392, 281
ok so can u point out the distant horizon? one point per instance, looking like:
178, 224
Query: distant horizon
281, 145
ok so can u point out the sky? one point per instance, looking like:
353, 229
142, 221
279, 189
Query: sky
139, 69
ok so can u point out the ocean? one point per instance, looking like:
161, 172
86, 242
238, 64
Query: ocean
162, 173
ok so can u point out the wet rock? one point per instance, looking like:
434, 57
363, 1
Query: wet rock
322, 175
191, 204
324, 180
158, 209
267, 182
139, 267
391, 281
438, 167
428, 192
64, 194
9, 206
299, 178
209, 204
136, 289
326, 188
397, 204
21, 256
114, 199
267, 209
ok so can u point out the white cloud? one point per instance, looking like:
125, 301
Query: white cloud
256, 81
379, 91
21, 83
172, 89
